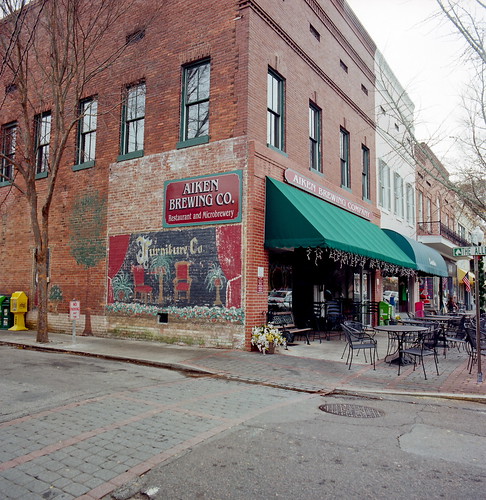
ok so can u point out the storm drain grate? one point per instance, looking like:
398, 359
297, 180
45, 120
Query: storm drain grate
352, 411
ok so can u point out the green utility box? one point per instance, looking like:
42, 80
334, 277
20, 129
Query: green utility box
385, 312
6, 317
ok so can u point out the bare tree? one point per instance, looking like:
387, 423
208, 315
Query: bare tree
51, 52
469, 22
407, 147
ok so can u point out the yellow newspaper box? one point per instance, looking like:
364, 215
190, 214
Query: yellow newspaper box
18, 307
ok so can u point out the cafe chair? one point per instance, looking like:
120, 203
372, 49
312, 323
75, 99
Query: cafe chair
334, 317
423, 346
356, 341
455, 333
471, 345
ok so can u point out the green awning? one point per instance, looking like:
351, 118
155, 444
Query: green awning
428, 260
296, 219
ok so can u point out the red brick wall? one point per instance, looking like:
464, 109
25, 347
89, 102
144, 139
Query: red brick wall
172, 38
241, 46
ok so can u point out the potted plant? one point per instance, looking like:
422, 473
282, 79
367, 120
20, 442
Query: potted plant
266, 338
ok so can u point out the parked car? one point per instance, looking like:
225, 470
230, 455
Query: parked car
280, 299
387, 294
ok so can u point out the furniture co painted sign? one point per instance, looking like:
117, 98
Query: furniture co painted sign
211, 199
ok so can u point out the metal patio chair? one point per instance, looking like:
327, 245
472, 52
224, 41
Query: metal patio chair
423, 346
356, 341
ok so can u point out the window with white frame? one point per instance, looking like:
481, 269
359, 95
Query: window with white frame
410, 204
88, 112
428, 210
461, 230
365, 172
9, 141
275, 110
398, 195
385, 187
42, 141
195, 103
315, 137
133, 120
420, 207
344, 158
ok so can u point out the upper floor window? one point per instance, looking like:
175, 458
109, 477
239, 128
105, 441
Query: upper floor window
384, 184
9, 141
42, 141
428, 208
315, 137
420, 207
461, 230
398, 185
275, 110
344, 155
195, 104
365, 173
86, 150
133, 120
410, 204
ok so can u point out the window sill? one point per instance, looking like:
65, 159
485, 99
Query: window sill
130, 156
83, 166
5, 183
346, 188
277, 150
203, 139
41, 175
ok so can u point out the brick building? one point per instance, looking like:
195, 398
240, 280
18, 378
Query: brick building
216, 160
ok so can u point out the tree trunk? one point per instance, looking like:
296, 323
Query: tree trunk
42, 323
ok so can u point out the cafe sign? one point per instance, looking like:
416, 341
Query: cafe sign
210, 199
306, 184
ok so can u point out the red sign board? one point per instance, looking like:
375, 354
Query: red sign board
212, 199
302, 182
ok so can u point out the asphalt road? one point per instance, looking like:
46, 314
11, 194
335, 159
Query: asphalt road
75, 427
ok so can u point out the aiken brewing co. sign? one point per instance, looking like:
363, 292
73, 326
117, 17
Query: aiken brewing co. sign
298, 180
212, 199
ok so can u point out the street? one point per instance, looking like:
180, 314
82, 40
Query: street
79, 427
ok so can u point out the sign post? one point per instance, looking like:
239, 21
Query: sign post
74, 314
476, 252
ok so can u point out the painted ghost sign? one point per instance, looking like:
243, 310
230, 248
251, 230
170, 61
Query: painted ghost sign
212, 199
190, 267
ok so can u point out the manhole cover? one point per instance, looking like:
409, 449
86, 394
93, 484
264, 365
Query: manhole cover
352, 411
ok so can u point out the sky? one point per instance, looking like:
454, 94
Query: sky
426, 57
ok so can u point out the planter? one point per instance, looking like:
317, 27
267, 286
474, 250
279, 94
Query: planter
266, 338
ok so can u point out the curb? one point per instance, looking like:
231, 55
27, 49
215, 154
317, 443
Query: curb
200, 372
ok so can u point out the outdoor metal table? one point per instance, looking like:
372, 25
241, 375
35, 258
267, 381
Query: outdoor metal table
399, 332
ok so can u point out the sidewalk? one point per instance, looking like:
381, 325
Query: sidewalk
309, 368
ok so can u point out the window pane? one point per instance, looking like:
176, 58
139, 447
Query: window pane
136, 102
9, 140
275, 126
198, 120
89, 109
196, 101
